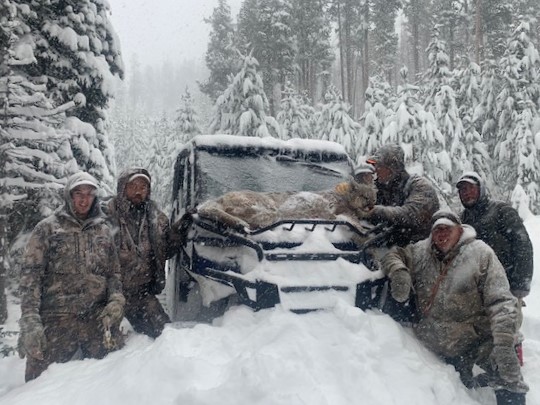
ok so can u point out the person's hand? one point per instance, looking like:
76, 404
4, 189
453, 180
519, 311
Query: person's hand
113, 312
400, 285
32, 340
505, 361
180, 229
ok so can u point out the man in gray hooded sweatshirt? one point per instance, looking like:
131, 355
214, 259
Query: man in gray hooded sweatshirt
71, 296
467, 314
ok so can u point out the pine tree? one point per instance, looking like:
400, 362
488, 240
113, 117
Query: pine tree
264, 28
485, 112
517, 108
468, 98
76, 48
241, 109
186, 121
378, 97
335, 124
160, 162
35, 150
294, 115
415, 129
384, 37
441, 102
221, 57
312, 27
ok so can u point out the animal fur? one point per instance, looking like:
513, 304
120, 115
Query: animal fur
255, 210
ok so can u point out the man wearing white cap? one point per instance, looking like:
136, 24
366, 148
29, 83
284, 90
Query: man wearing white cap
144, 242
71, 296
467, 314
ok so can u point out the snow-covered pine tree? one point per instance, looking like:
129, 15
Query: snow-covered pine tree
36, 156
468, 98
264, 27
378, 97
528, 157
241, 109
485, 113
186, 121
416, 131
77, 49
221, 57
160, 162
517, 107
441, 102
438, 73
334, 122
293, 115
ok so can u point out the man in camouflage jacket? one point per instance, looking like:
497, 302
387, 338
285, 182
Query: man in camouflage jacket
71, 297
144, 242
467, 313
405, 203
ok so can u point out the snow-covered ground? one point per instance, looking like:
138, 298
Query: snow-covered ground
340, 356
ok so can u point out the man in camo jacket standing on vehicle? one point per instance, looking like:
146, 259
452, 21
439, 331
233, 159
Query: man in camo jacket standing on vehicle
144, 241
71, 295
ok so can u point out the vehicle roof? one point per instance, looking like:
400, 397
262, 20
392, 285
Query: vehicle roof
226, 142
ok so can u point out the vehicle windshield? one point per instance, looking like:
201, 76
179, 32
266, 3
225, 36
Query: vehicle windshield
217, 175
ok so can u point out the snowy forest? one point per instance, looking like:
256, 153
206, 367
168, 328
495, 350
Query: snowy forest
454, 82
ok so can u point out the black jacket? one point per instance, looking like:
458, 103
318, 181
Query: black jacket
499, 225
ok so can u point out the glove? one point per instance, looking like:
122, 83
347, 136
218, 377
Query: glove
180, 229
400, 285
113, 312
505, 361
32, 340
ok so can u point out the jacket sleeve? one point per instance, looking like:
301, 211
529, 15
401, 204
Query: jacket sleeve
520, 275
500, 304
420, 204
114, 278
33, 270
397, 259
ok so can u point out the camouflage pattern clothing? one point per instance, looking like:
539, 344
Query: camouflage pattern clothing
70, 273
142, 237
405, 203
464, 303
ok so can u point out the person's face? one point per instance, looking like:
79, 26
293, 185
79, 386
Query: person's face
83, 197
445, 237
384, 174
137, 191
468, 194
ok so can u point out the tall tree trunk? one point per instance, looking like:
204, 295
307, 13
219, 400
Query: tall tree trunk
415, 37
350, 61
479, 33
341, 51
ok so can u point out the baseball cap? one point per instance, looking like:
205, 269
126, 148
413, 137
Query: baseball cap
443, 217
469, 177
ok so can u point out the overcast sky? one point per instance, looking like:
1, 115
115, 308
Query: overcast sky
164, 29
